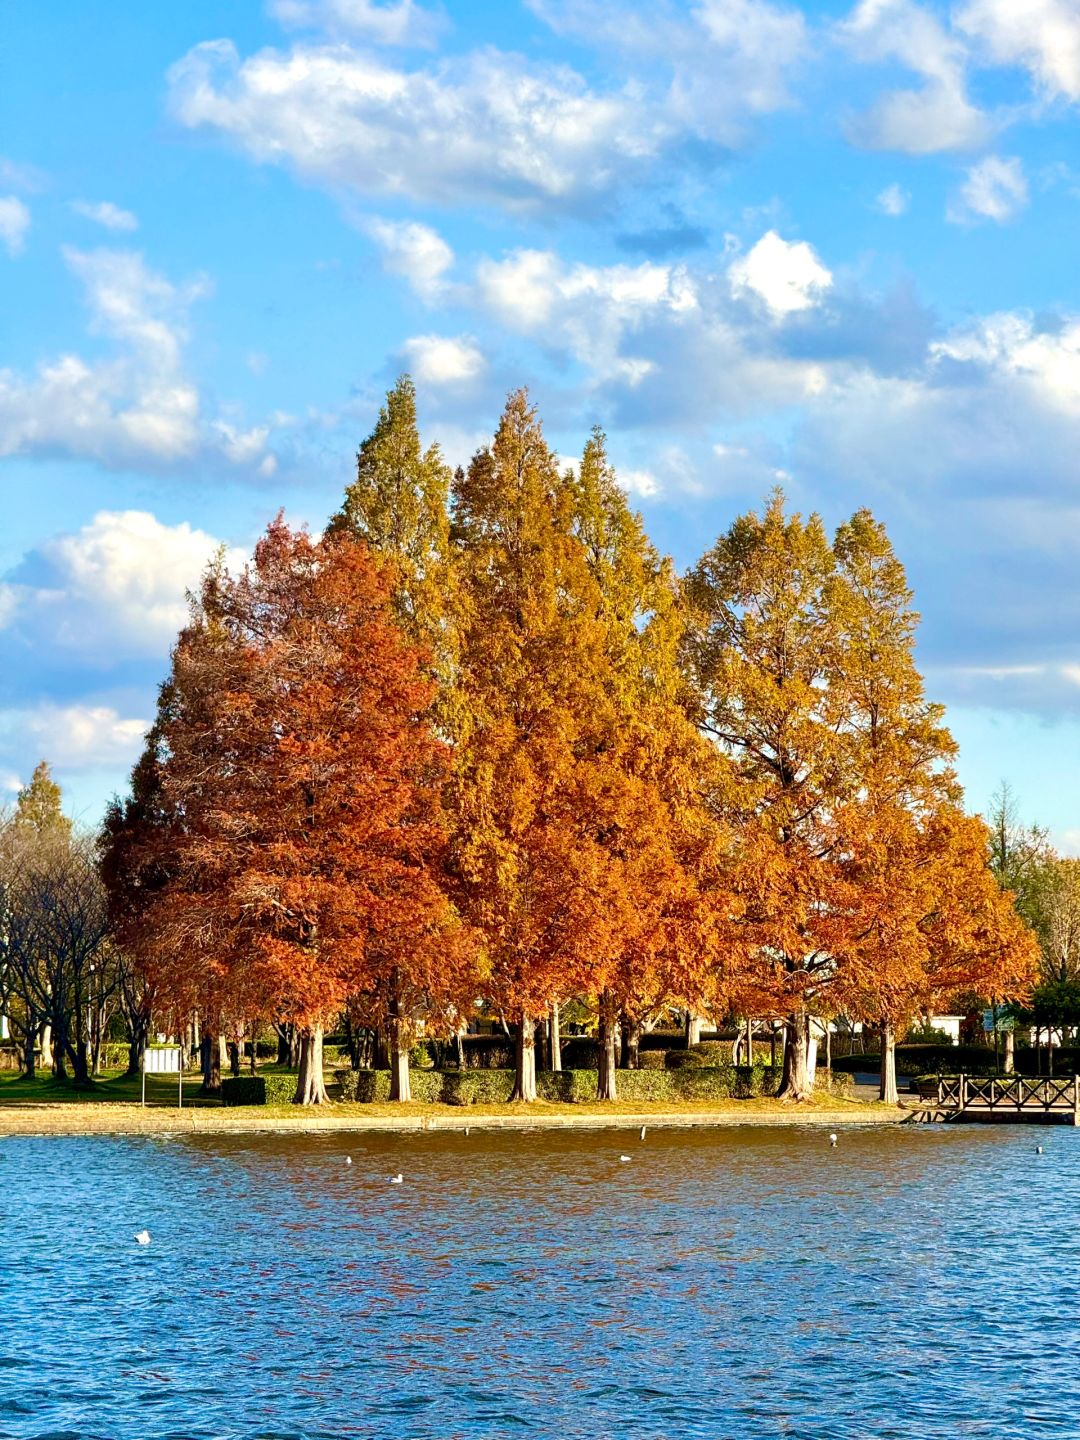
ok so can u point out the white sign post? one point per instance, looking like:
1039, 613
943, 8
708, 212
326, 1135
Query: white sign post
164, 1060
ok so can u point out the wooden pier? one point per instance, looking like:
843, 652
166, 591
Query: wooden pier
1016, 1098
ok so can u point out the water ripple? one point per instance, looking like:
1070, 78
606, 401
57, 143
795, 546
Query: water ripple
736, 1284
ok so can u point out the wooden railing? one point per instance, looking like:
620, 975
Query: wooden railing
1020, 1094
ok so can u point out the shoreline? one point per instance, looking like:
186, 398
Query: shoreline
104, 1119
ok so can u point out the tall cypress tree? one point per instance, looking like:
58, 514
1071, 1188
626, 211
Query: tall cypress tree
398, 505
651, 816
527, 781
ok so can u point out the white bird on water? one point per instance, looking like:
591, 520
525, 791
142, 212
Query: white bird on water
1038, 1149
348, 1159
143, 1237
832, 1139
623, 1159
397, 1179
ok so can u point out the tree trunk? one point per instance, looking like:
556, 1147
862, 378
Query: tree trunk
233, 1049
58, 1045
30, 1049
1010, 1052
631, 1043
310, 1086
137, 1045
80, 1065
796, 1079
693, 1029
887, 1084
459, 1045
556, 1040
382, 1054
400, 1087
605, 1074
749, 1041
210, 1055
525, 1061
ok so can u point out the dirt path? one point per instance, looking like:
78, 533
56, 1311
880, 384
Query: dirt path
105, 1119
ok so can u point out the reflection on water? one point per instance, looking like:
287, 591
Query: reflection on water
737, 1283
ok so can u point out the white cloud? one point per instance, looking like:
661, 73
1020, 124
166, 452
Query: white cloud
116, 588
893, 200
106, 214
474, 129
14, 223
706, 67
137, 408
26, 178
786, 275
443, 359
642, 483
74, 737
416, 252
934, 118
995, 189
402, 22
585, 309
1045, 363
1041, 35
9, 603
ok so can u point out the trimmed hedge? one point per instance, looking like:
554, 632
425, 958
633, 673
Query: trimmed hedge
368, 1087
570, 1087
277, 1089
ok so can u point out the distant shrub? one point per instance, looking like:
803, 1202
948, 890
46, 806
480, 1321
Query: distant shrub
662, 1040
922, 1059
835, 1082
682, 1060
927, 1035
651, 1059
487, 1052
580, 1052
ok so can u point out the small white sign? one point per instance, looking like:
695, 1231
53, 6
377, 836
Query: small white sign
163, 1061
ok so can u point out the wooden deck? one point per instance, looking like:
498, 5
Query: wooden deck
1019, 1098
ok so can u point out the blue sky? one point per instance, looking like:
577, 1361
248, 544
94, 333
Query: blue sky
830, 246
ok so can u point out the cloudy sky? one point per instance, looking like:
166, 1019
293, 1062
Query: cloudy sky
831, 246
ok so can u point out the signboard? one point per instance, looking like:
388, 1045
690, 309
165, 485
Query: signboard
1005, 1021
164, 1060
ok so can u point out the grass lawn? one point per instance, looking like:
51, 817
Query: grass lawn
113, 1086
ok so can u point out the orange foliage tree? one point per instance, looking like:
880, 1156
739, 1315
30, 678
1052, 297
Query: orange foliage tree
304, 850
662, 845
529, 790
854, 859
398, 505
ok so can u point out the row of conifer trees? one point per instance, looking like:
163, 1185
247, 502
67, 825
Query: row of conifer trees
479, 741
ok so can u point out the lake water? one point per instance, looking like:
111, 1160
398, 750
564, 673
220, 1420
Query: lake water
734, 1283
